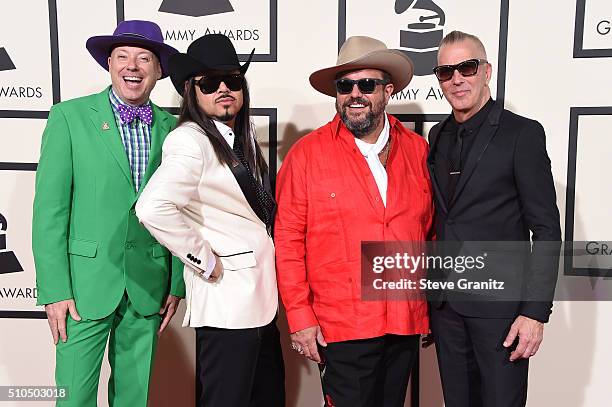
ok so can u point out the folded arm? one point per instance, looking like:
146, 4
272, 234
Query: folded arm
174, 184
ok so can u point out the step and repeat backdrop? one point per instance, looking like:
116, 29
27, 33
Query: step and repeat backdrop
552, 61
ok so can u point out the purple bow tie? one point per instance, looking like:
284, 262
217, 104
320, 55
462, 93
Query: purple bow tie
129, 113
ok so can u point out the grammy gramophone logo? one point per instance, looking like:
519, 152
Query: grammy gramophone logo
8, 260
420, 40
194, 8
6, 63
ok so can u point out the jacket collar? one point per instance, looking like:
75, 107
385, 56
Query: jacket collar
103, 120
487, 132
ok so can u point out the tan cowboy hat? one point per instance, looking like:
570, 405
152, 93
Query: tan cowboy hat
360, 52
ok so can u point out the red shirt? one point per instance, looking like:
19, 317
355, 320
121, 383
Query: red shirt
328, 203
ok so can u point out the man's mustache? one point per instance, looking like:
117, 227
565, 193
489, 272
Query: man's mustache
225, 96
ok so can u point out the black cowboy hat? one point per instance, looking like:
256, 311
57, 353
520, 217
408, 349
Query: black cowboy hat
207, 53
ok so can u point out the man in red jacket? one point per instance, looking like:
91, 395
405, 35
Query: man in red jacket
361, 177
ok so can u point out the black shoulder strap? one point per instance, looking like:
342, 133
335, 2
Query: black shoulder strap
268, 188
245, 181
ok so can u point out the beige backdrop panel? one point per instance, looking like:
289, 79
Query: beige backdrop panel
25, 33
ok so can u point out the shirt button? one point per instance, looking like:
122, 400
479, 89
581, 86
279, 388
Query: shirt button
333, 194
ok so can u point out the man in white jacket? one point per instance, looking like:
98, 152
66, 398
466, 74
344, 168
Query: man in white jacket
209, 203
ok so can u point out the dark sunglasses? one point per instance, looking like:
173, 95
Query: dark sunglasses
367, 85
210, 84
465, 68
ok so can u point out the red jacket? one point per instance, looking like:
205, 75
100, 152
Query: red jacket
328, 203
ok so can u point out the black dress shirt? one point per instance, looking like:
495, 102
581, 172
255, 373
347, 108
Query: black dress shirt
444, 163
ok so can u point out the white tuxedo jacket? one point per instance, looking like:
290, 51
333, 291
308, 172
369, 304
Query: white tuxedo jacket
194, 206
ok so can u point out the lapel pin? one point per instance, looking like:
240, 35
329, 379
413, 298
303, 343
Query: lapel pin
105, 126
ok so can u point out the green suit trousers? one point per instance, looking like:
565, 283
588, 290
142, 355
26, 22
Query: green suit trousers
131, 349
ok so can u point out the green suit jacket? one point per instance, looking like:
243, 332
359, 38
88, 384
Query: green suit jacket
86, 238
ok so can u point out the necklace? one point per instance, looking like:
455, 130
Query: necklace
383, 156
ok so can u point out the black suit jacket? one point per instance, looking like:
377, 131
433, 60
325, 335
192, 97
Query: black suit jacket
505, 191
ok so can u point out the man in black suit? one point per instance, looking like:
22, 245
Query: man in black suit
493, 182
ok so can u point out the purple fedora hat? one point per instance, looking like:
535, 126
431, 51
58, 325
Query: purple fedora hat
138, 33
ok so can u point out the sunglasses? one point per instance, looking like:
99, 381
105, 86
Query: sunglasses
367, 85
465, 68
210, 84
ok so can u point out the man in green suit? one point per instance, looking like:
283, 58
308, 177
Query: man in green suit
99, 272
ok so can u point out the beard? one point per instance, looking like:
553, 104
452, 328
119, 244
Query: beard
225, 117
363, 125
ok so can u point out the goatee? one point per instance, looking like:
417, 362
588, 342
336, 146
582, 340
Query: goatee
226, 117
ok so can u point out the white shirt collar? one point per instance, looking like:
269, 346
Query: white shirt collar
370, 153
369, 148
226, 131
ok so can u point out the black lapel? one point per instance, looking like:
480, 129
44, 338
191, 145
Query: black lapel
434, 134
483, 138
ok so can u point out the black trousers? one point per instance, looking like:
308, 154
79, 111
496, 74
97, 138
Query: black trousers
240, 367
368, 372
474, 366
